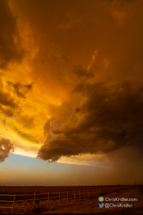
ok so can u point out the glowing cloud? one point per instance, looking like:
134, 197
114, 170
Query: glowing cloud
6, 147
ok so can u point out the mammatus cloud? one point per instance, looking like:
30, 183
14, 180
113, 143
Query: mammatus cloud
110, 118
6, 147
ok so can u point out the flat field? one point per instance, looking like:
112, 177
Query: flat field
78, 200
45, 189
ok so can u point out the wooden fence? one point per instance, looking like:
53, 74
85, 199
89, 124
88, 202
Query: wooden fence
50, 197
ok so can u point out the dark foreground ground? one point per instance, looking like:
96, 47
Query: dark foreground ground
40, 189
133, 211
89, 206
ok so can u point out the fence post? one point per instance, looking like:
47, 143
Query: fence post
59, 197
74, 195
13, 204
48, 198
34, 199
88, 193
67, 197
84, 194
94, 193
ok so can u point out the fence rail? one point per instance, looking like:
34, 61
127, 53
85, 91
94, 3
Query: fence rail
67, 196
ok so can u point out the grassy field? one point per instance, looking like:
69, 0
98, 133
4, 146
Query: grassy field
44, 189
86, 201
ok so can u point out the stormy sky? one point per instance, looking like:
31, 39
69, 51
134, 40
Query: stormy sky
71, 87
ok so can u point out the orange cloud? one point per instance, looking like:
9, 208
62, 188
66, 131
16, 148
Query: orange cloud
69, 64
6, 147
120, 17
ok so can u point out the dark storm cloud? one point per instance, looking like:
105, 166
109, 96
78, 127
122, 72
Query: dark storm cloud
7, 104
47, 127
7, 111
20, 89
81, 72
6, 147
10, 46
7, 100
110, 118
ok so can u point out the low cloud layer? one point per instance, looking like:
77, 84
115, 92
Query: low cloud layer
110, 118
6, 147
